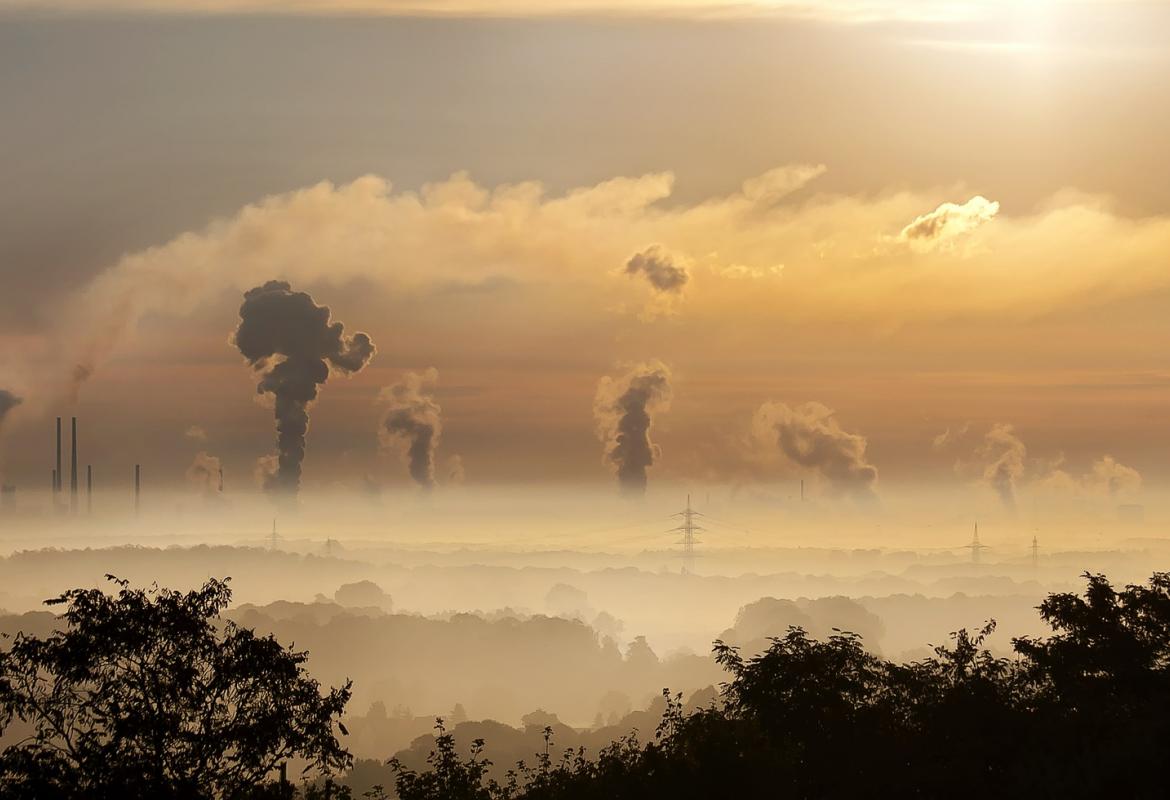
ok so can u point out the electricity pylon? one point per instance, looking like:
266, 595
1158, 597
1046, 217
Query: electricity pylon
688, 530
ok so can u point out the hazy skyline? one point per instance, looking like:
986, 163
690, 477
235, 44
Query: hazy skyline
958, 223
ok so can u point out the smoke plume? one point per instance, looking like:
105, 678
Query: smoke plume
8, 401
413, 422
290, 341
623, 408
1004, 457
1113, 478
810, 437
665, 271
204, 472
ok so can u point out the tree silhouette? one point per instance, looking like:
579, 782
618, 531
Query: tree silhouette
1084, 713
147, 693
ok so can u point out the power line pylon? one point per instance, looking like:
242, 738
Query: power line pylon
688, 530
1035, 553
274, 539
975, 547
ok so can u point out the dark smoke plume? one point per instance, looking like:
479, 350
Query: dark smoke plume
810, 437
290, 341
413, 421
623, 407
664, 271
8, 401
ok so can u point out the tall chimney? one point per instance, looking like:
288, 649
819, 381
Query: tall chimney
221, 480
89, 489
73, 470
53, 497
57, 478
137, 487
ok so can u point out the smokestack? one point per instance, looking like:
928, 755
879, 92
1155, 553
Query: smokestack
221, 480
73, 470
802, 490
57, 472
54, 495
89, 489
137, 488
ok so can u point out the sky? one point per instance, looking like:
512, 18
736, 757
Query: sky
870, 244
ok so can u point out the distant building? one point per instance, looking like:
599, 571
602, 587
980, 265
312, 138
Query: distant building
1131, 512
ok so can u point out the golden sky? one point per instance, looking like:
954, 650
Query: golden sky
937, 244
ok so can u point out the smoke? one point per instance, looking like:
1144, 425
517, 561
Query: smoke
196, 434
413, 422
1113, 478
290, 341
948, 221
456, 473
665, 271
1004, 458
999, 459
810, 437
8, 401
623, 408
204, 472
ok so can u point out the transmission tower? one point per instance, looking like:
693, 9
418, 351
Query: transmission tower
274, 539
975, 547
1035, 553
688, 530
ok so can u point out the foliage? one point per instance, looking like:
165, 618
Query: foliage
147, 693
1083, 713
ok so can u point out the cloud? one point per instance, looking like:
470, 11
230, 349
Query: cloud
292, 343
842, 261
623, 408
810, 437
196, 434
948, 221
664, 271
413, 423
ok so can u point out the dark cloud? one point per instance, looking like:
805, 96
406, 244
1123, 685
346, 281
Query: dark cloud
623, 408
809, 436
414, 422
665, 272
291, 342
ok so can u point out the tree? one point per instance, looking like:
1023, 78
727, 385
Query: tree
147, 693
1084, 713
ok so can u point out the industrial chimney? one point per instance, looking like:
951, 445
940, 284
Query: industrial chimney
73, 470
57, 474
89, 489
137, 487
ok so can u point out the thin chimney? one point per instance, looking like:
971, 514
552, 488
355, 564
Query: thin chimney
57, 473
89, 489
73, 470
137, 487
